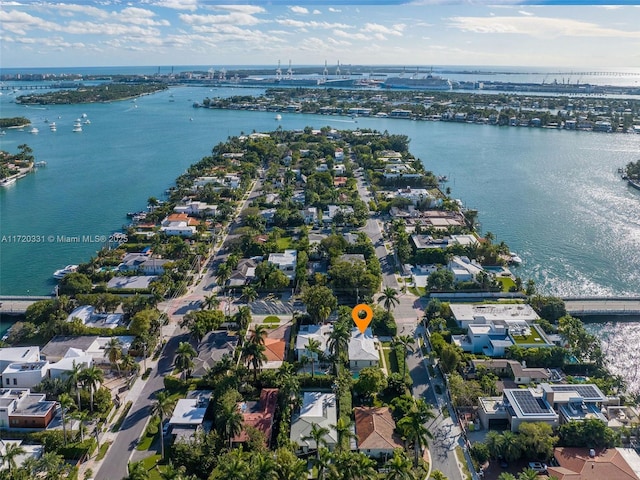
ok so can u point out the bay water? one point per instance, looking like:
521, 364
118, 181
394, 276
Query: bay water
554, 197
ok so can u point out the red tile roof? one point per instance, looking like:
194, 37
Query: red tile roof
375, 429
576, 464
262, 417
276, 343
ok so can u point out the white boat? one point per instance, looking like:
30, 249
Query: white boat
87, 121
7, 181
84, 115
2, 132
64, 271
41, 163
278, 117
34, 130
515, 258
76, 126
53, 127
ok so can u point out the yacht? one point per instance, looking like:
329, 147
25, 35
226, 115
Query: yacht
2, 132
515, 258
53, 127
34, 130
7, 181
77, 127
64, 271
87, 121
278, 117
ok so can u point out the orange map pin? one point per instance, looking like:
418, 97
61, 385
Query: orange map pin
362, 322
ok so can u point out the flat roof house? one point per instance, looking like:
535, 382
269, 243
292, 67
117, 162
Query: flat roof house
375, 431
188, 414
466, 313
286, 262
21, 409
10, 355
320, 409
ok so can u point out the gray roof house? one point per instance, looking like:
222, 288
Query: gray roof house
317, 408
211, 349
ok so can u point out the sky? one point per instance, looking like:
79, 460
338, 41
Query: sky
431, 32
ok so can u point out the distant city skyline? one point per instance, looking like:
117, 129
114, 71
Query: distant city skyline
195, 32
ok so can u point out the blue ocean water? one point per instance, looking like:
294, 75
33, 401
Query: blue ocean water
553, 196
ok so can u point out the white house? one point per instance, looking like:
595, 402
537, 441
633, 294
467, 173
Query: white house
179, 224
319, 333
142, 262
362, 350
417, 195
286, 262
196, 208
332, 210
320, 409
24, 375
466, 313
10, 355
310, 215
463, 269
87, 315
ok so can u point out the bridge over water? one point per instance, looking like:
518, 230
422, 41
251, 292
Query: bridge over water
17, 304
602, 306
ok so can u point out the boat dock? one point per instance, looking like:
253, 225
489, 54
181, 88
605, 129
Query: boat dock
602, 306
17, 304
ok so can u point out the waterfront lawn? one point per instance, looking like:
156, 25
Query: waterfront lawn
506, 282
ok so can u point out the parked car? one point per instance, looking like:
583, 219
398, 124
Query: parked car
538, 467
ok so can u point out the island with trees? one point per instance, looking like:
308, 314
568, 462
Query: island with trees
108, 92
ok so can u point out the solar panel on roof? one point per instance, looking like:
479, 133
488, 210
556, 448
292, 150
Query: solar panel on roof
528, 403
585, 391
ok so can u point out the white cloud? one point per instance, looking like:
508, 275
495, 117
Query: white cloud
317, 12
313, 24
191, 5
299, 10
378, 29
540, 27
233, 18
350, 35
248, 9
334, 10
525, 13
20, 22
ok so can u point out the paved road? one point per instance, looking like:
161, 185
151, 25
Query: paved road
114, 466
446, 434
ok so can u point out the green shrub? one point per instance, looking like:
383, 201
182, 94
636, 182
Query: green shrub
271, 319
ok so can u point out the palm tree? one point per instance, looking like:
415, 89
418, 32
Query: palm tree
343, 429
128, 364
323, 461
414, 431
230, 420
437, 475
313, 352
210, 302
528, 474
249, 294
290, 467
66, 403
399, 467
406, 341
390, 298
90, 378
11, 451
511, 450
137, 471
317, 434
259, 334
184, 358
494, 441
243, 317
232, 466
82, 416
222, 274
253, 354
113, 351
161, 407
339, 338
263, 467
73, 379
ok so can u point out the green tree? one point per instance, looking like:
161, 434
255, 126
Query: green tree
253, 354
75, 283
413, 429
437, 475
450, 358
371, 380
343, 430
389, 297
537, 440
91, 377
319, 300
113, 351
249, 294
313, 352
137, 471
317, 434
406, 341
11, 452
142, 321
511, 449
399, 467
184, 358
161, 407
66, 404
228, 419
210, 302
73, 379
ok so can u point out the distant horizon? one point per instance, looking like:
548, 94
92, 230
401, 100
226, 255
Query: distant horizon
513, 33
